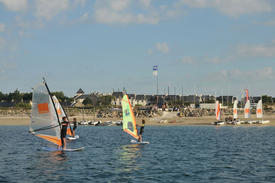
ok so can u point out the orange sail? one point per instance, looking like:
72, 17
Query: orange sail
218, 110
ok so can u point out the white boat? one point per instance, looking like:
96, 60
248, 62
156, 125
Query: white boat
218, 114
259, 113
247, 113
236, 121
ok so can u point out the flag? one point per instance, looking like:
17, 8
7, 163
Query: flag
155, 70
247, 95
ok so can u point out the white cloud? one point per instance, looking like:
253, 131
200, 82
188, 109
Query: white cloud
84, 17
187, 60
2, 27
232, 8
257, 50
119, 5
28, 24
80, 2
15, 5
243, 76
145, 3
119, 11
49, 8
216, 60
162, 47
263, 73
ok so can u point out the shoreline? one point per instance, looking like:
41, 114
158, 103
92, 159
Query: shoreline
167, 120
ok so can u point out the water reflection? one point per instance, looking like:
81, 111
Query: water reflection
128, 155
49, 165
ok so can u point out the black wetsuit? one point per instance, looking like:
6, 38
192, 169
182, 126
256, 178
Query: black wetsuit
63, 132
141, 130
75, 125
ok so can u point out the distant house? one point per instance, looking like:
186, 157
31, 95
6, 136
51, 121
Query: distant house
191, 98
140, 100
79, 92
133, 98
117, 98
79, 98
226, 100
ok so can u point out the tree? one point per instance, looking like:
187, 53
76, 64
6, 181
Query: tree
60, 95
105, 100
87, 101
27, 97
267, 99
15, 96
2, 96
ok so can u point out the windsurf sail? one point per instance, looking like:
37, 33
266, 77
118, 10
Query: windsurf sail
44, 118
235, 109
247, 109
129, 121
260, 109
61, 113
218, 111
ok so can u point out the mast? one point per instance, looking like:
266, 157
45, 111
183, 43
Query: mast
44, 81
65, 115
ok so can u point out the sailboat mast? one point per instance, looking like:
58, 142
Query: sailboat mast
52, 102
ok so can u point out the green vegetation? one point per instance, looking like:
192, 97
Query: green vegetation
267, 99
23, 105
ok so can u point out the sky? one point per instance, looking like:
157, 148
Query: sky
217, 47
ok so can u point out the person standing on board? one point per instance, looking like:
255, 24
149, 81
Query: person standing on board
75, 126
141, 130
63, 132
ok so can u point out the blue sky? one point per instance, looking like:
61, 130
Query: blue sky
206, 46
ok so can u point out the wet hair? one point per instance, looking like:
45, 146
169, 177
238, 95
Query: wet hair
143, 121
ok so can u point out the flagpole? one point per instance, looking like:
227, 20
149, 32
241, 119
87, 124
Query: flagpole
155, 73
157, 84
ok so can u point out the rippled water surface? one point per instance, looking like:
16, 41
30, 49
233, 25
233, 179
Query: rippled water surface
175, 154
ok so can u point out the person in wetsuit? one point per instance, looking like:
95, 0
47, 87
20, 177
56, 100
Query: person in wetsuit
63, 132
75, 126
141, 130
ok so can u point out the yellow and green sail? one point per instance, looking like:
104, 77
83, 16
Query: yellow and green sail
129, 121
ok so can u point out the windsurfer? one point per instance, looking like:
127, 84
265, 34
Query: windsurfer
141, 130
75, 126
63, 133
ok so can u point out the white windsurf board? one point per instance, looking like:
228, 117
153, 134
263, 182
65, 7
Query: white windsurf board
60, 149
136, 142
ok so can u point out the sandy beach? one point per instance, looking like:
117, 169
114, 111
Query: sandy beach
167, 119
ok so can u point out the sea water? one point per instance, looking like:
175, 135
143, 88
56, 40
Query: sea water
175, 154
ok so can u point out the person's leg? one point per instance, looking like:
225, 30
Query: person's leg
62, 142
139, 138
65, 143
